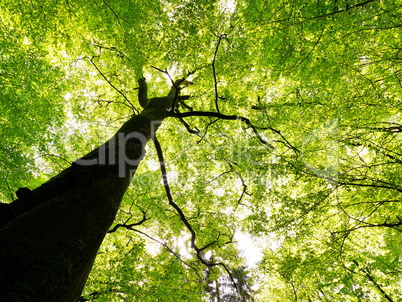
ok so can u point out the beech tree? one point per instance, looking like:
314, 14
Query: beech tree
51, 235
275, 173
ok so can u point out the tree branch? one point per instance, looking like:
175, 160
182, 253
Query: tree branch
144, 218
341, 10
165, 246
129, 226
175, 90
183, 217
195, 131
225, 117
376, 284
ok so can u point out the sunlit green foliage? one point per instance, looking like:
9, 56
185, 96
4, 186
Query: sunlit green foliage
321, 80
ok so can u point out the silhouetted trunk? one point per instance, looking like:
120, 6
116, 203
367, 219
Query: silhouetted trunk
49, 244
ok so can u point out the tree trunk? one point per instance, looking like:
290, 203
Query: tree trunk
48, 248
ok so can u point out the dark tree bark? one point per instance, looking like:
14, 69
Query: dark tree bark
48, 247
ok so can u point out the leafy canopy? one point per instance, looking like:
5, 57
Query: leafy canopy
321, 81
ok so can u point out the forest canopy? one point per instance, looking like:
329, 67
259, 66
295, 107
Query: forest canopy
286, 160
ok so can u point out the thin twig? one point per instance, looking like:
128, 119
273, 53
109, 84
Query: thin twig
9, 189
206, 130
214, 71
158, 69
114, 87
169, 250
243, 183
286, 142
